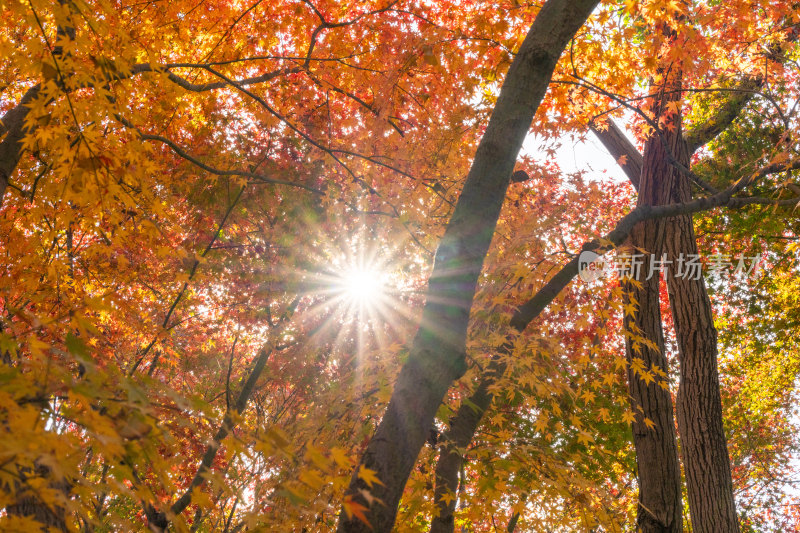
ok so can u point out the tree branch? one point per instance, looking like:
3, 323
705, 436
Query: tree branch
465, 422
701, 134
619, 146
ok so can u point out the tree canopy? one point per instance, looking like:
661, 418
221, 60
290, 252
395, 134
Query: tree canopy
317, 264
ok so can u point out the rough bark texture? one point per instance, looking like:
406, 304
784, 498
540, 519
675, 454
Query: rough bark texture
703, 444
699, 409
656, 450
437, 355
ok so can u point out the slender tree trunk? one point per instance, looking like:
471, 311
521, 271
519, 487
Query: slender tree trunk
464, 423
658, 471
437, 354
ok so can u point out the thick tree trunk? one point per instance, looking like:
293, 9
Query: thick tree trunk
699, 411
437, 355
704, 449
659, 473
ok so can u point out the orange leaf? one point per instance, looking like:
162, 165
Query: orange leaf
353, 508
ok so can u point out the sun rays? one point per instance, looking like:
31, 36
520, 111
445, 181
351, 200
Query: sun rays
361, 290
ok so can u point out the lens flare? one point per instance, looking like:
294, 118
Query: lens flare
363, 287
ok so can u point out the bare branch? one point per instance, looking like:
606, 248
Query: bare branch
620, 147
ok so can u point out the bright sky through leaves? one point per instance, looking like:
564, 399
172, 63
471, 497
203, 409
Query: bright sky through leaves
219, 221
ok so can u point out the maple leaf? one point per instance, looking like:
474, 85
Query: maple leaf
353, 508
447, 497
341, 458
588, 396
585, 438
368, 476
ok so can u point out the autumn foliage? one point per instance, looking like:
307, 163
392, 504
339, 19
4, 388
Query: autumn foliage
190, 191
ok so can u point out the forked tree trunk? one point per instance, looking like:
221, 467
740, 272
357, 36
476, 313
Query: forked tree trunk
437, 354
699, 410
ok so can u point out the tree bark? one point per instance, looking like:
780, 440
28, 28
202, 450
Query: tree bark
621, 149
462, 429
699, 410
13, 126
704, 448
50, 514
437, 354
658, 469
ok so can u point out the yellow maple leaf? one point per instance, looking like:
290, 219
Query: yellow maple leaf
447, 497
647, 377
340, 457
368, 476
584, 438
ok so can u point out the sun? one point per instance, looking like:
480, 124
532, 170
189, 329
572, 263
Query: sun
363, 286
362, 292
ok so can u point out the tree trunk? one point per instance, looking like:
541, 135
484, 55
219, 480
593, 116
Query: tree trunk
437, 354
27, 503
704, 449
699, 410
659, 473
462, 429
13, 126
